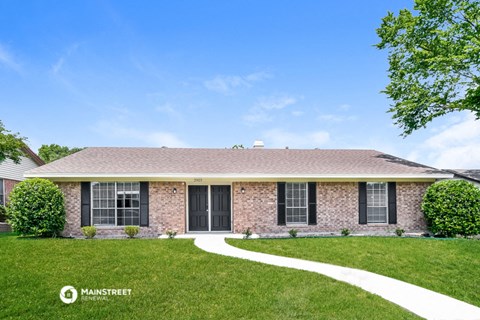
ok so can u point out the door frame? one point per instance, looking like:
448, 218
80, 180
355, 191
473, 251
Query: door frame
209, 190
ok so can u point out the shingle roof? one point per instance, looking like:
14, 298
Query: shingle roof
168, 162
471, 174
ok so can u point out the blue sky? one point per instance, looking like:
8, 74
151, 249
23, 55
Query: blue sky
302, 74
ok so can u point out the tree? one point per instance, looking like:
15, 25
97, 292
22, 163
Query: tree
53, 152
434, 56
11, 145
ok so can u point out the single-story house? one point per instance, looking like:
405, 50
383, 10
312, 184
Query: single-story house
230, 190
470, 175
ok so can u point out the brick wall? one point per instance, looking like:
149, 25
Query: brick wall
337, 208
8, 185
166, 210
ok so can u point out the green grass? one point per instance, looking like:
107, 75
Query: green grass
170, 279
449, 266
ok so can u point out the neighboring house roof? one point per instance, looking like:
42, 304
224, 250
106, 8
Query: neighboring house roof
469, 174
13, 171
233, 163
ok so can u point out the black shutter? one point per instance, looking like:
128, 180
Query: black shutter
362, 203
85, 204
281, 204
312, 203
392, 202
144, 204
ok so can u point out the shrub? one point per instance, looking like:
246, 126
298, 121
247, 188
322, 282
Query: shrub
89, 231
293, 233
452, 207
345, 232
247, 233
3, 213
171, 234
36, 207
399, 232
131, 231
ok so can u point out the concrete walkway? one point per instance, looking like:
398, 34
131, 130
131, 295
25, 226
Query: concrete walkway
423, 302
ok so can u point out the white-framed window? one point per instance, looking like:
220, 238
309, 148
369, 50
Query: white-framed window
296, 203
377, 202
2, 193
115, 203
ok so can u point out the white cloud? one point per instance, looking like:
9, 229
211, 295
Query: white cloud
227, 84
169, 110
297, 113
279, 138
335, 118
344, 107
118, 130
264, 106
456, 146
8, 60
58, 65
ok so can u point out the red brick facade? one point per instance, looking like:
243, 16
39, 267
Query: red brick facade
8, 187
337, 208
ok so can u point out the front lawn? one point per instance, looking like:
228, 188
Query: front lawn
448, 266
169, 279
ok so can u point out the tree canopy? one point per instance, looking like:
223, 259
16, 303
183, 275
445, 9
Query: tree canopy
434, 57
52, 152
11, 145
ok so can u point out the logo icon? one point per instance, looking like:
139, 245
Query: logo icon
68, 294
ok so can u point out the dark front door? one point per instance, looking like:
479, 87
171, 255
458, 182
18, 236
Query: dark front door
221, 215
198, 208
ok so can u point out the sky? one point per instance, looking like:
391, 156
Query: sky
211, 74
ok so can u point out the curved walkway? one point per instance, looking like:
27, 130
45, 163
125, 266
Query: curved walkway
425, 303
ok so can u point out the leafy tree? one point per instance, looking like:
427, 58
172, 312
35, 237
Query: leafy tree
11, 145
434, 56
53, 152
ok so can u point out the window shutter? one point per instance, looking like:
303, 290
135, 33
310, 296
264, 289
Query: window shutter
312, 203
362, 203
144, 204
392, 202
85, 204
281, 221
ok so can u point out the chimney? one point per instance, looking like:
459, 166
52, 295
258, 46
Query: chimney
258, 144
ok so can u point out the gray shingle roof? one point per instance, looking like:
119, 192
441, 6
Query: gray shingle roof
471, 174
168, 162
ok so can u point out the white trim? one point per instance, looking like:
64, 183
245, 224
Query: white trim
170, 176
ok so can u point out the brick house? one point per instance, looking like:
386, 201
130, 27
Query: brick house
229, 190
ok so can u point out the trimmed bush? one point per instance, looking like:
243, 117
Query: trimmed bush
293, 233
345, 232
171, 234
36, 207
131, 231
399, 232
452, 207
89, 232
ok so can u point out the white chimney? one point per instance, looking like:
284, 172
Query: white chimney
258, 144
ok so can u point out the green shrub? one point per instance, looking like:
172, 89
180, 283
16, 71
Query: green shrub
171, 234
345, 232
132, 231
293, 233
399, 232
3, 213
452, 207
36, 207
89, 231
247, 233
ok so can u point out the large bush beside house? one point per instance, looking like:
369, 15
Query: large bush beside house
452, 207
36, 207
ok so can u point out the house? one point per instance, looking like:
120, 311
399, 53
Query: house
12, 173
230, 190
470, 175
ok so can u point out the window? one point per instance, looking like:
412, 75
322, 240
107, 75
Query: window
116, 203
377, 202
296, 203
2, 195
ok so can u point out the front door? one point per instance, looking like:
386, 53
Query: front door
220, 196
198, 208
206, 216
